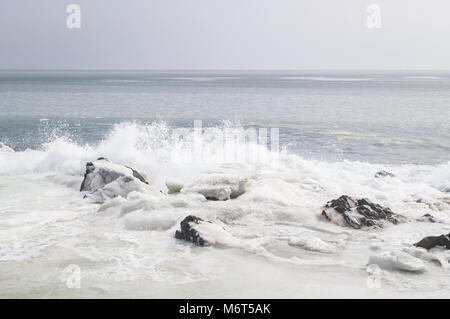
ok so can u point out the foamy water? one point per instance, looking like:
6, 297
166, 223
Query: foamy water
126, 246
336, 132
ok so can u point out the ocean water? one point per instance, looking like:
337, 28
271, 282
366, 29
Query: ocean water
336, 129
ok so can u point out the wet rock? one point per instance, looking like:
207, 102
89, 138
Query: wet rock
381, 174
433, 241
103, 172
203, 233
430, 219
357, 213
104, 179
188, 231
139, 176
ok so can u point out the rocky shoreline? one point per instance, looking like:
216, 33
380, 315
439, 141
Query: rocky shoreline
105, 180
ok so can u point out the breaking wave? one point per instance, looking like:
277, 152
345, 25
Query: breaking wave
45, 218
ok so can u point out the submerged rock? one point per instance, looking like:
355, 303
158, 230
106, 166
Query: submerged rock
437, 205
106, 179
356, 213
218, 186
398, 260
433, 241
203, 233
5, 148
312, 244
381, 174
430, 219
423, 254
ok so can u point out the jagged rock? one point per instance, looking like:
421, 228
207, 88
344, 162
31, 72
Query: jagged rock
433, 241
356, 213
381, 174
5, 148
203, 233
106, 179
218, 186
188, 231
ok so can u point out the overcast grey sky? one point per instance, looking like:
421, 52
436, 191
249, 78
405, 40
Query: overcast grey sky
225, 34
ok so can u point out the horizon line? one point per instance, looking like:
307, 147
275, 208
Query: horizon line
215, 70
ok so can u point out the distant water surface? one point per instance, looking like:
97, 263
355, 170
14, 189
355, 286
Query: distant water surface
381, 117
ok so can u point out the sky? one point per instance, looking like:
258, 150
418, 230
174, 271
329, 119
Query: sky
225, 34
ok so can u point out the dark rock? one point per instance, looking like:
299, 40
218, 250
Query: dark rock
188, 231
433, 241
138, 175
431, 219
356, 213
89, 169
381, 174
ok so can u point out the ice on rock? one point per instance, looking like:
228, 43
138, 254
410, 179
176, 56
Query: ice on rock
423, 254
104, 179
398, 260
218, 186
203, 233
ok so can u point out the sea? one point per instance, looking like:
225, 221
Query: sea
333, 130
